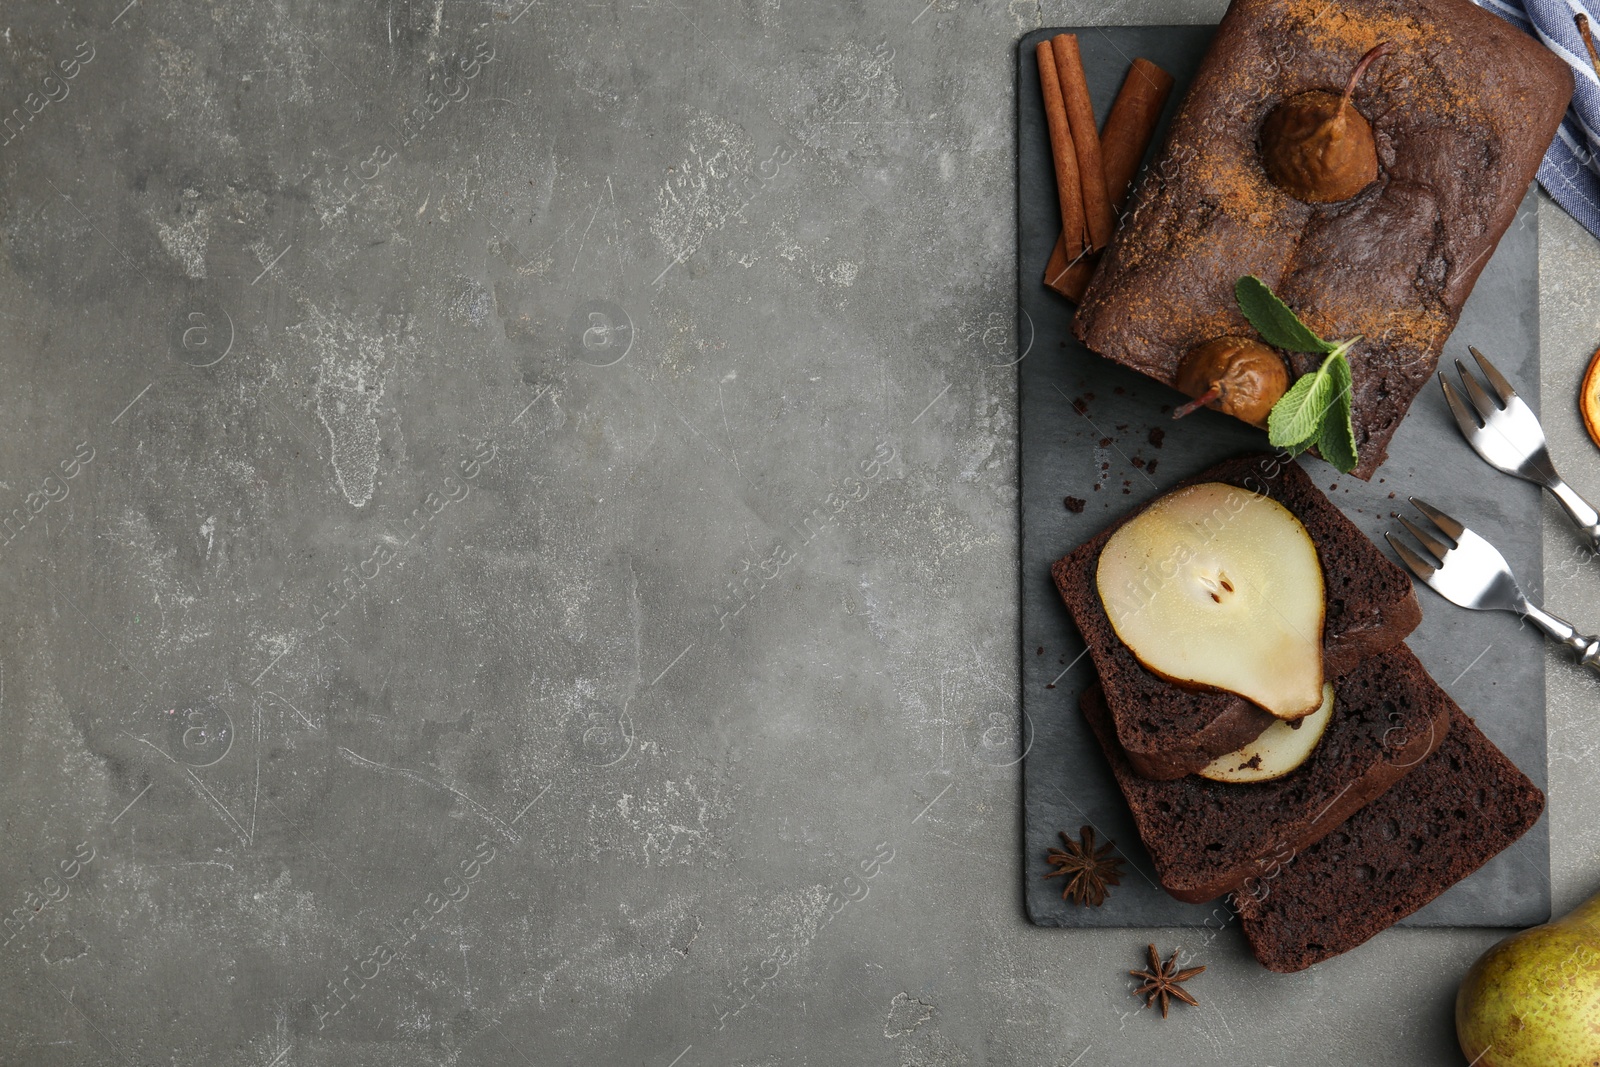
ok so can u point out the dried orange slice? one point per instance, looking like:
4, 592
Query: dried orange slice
1589, 399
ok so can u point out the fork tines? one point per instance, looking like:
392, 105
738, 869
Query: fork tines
1451, 527
1471, 419
1425, 568
1414, 563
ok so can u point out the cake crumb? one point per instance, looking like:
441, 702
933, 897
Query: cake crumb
1074, 505
1157, 435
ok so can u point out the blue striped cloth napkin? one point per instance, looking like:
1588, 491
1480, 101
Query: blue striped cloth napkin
1570, 171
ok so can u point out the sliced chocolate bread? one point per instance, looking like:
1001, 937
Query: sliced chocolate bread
1168, 731
1461, 807
1207, 838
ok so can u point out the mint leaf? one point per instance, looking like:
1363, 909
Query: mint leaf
1316, 411
1277, 325
1337, 441
1337, 444
1295, 421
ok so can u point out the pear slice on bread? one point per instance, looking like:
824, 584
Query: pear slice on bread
1213, 586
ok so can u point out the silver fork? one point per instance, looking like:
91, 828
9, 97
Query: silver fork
1512, 440
1471, 572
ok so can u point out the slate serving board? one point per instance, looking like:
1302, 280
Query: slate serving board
1122, 449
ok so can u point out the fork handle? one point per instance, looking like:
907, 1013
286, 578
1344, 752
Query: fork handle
1579, 510
1584, 648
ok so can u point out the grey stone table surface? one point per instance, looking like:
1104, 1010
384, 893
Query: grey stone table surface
510, 552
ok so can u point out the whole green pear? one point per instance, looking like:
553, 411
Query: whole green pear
1533, 1000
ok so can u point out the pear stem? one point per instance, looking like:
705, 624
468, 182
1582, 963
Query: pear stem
1588, 39
1200, 401
1377, 51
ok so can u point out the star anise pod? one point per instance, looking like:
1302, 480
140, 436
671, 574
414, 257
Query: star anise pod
1088, 869
1164, 980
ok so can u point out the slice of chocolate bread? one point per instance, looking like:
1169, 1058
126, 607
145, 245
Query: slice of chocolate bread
1461, 807
1168, 731
1462, 109
1207, 838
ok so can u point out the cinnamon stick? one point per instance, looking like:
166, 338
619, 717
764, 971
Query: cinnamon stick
1130, 127
1069, 188
1132, 123
1098, 216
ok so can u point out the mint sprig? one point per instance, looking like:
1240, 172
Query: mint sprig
1316, 409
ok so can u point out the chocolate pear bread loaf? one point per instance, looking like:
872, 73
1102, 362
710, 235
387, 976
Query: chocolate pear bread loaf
1168, 731
1458, 809
1206, 838
1461, 109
